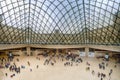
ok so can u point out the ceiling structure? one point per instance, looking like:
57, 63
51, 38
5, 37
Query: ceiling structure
73, 22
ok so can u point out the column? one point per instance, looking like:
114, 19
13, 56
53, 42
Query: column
21, 53
86, 51
57, 52
28, 51
36, 52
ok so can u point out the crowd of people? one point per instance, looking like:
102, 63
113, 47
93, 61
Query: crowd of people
102, 66
67, 59
7, 64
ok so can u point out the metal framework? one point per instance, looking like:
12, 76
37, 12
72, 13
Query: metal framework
60, 22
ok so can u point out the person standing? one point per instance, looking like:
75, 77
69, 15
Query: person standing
37, 66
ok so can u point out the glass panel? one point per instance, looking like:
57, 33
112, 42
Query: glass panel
60, 21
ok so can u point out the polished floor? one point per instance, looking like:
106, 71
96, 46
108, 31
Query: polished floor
59, 71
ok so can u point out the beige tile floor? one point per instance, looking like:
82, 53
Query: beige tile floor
59, 72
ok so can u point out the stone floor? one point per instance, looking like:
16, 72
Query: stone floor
59, 71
